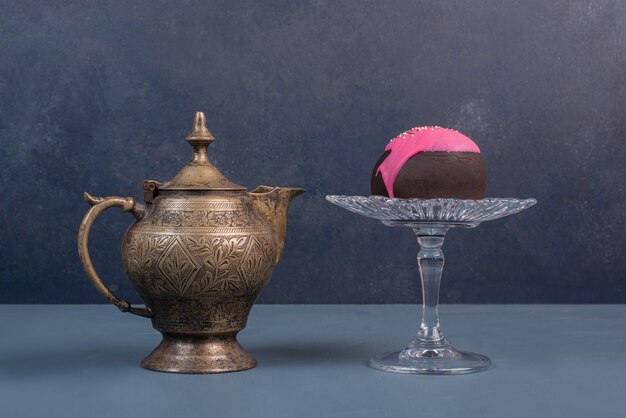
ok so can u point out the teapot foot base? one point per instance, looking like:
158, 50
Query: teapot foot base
193, 354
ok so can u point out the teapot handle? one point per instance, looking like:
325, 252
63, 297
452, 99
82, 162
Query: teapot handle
99, 205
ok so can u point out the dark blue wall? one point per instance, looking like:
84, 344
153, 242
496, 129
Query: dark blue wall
98, 96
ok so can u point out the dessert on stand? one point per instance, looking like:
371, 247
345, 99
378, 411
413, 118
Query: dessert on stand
430, 179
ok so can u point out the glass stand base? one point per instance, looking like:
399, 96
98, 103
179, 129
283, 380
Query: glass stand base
430, 361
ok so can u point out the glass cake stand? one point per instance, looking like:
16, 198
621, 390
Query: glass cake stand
430, 352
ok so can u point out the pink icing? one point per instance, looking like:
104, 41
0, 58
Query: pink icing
416, 140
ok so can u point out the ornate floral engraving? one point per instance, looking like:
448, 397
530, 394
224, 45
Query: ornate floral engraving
187, 248
219, 255
144, 248
254, 262
177, 267
199, 218
201, 264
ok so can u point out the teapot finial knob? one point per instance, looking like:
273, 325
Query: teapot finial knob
200, 133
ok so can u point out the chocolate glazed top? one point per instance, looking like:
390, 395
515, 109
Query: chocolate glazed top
418, 140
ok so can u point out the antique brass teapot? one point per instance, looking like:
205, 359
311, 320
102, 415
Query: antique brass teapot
199, 253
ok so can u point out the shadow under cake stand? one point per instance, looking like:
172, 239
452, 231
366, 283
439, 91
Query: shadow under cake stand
430, 352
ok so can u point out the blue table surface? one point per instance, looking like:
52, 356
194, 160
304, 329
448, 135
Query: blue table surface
549, 361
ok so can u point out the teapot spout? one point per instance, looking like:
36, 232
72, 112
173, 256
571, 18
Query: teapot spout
273, 203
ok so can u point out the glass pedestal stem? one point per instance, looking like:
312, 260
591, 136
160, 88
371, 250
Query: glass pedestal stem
430, 260
430, 352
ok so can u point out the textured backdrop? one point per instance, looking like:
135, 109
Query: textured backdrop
98, 96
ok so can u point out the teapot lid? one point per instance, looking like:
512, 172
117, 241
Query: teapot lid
200, 174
